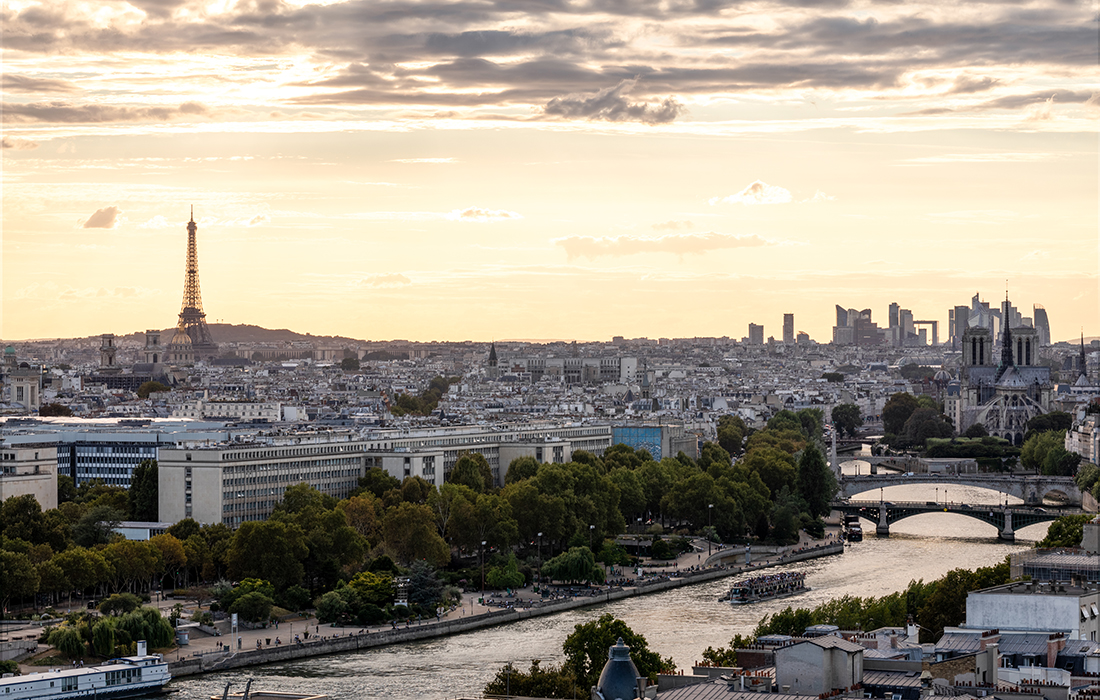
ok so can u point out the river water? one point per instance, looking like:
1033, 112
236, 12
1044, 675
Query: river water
680, 623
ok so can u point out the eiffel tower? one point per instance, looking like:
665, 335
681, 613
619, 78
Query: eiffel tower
192, 323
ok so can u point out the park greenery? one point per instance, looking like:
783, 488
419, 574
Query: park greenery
346, 557
426, 402
585, 651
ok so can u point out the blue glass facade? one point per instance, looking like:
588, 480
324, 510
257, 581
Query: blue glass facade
639, 438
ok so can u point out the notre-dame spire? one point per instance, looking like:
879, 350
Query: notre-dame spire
192, 318
1006, 339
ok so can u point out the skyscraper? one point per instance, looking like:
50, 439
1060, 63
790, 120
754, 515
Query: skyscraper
788, 328
1042, 324
756, 334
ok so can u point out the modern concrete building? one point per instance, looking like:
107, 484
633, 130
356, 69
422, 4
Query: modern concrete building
245, 411
756, 334
29, 469
1073, 609
788, 328
241, 480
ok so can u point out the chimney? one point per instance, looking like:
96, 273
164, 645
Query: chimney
911, 630
989, 637
142, 648
1055, 643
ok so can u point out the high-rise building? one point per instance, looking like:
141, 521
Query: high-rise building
788, 328
1042, 324
958, 320
756, 334
841, 316
894, 308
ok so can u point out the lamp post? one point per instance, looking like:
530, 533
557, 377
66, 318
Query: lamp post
710, 509
483, 566
591, 532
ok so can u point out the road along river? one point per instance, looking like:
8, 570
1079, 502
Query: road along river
680, 623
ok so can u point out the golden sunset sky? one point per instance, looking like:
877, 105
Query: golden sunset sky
546, 168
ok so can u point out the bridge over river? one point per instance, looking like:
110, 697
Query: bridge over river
1005, 519
1029, 489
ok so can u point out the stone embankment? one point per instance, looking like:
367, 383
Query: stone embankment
348, 641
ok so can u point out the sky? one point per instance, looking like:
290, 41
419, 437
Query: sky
566, 169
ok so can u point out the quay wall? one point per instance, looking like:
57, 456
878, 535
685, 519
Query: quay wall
224, 661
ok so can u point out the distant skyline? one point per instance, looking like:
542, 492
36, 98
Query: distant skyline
476, 170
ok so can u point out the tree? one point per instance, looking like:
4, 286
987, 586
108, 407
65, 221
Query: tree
505, 576
816, 483
731, 434
425, 586
374, 588
1046, 452
521, 468
472, 470
537, 682
813, 422
577, 565
976, 430
55, 409
150, 387
96, 525
172, 555
120, 604
1055, 420
587, 647
847, 418
785, 420
272, 549
21, 518
378, 482
252, 607
410, 533
1067, 531
350, 364
145, 492
18, 577
926, 423
896, 412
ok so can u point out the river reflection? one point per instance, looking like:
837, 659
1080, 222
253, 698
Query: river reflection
680, 623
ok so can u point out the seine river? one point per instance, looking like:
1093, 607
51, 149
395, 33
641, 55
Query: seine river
680, 623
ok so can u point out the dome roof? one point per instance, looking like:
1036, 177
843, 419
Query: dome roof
9, 350
942, 376
181, 337
619, 678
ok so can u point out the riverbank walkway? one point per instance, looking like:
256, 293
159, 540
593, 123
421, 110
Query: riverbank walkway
300, 637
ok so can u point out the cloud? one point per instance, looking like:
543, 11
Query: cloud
424, 160
1042, 112
103, 218
17, 144
820, 196
759, 192
24, 83
259, 219
1036, 255
482, 215
157, 222
611, 104
672, 226
678, 243
70, 113
385, 279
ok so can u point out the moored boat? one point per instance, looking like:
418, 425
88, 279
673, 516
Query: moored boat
141, 674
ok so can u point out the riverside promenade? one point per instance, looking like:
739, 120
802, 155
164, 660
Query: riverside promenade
210, 654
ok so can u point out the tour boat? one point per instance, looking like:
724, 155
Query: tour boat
758, 588
141, 674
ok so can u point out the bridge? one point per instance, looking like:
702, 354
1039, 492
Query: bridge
885, 513
1029, 489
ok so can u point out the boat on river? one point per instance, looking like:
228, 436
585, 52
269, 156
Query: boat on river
142, 674
767, 587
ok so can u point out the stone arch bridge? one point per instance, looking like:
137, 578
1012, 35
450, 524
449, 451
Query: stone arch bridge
1030, 489
1006, 520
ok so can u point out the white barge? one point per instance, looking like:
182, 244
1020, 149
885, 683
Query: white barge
142, 674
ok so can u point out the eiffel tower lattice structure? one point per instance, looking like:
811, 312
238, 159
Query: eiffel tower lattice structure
192, 339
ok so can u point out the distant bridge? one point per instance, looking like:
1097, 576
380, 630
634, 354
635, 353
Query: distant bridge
1029, 489
885, 513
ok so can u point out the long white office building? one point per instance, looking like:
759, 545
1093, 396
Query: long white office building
240, 480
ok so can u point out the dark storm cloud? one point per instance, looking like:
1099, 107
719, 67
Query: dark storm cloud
612, 104
23, 83
70, 113
569, 58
